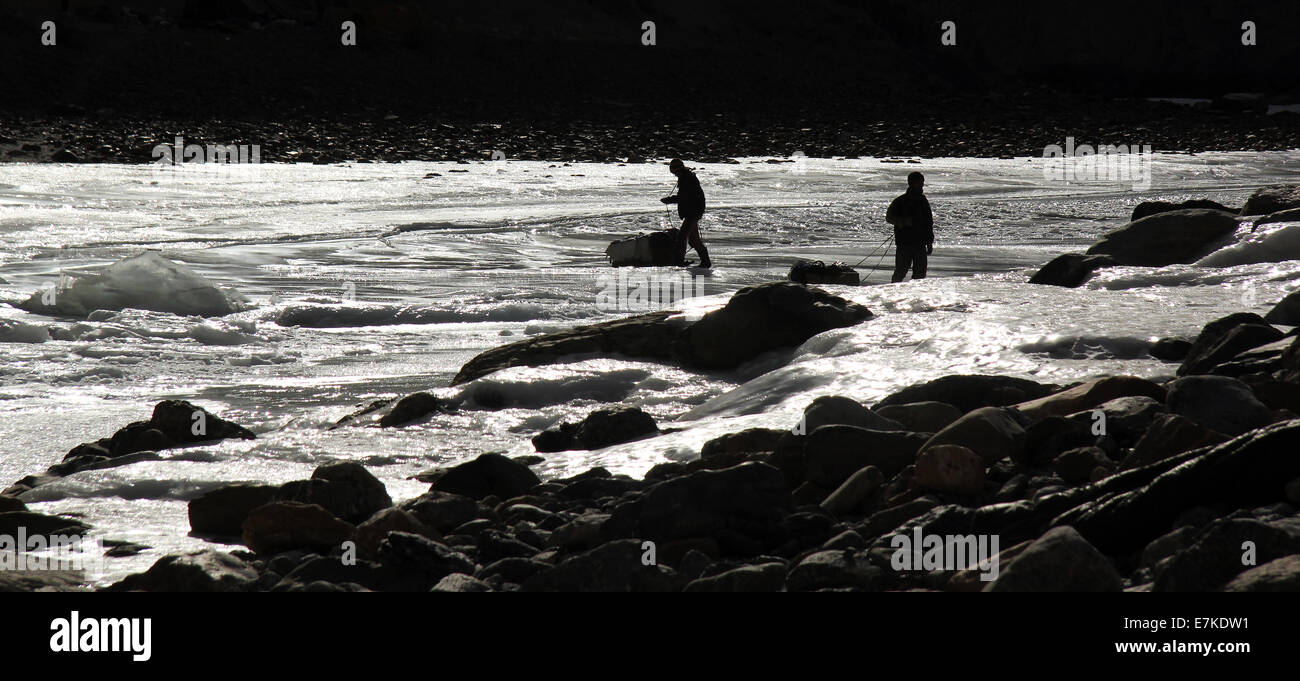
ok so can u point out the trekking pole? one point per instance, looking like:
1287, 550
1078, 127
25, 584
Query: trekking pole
882, 259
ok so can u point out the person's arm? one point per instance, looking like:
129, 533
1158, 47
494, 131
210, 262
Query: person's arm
894, 215
928, 216
669, 199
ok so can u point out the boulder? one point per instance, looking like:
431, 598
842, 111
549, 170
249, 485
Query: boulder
601, 428
1171, 349
1168, 436
1076, 466
39, 523
204, 571
648, 336
761, 319
1246, 472
846, 411
1277, 576
991, 432
443, 511
1125, 419
1272, 199
1060, 560
1090, 394
457, 582
1070, 270
739, 506
1287, 311
288, 525
345, 488
1178, 236
371, 533
764, 577
756, 320
616, 566
174, 423
1149, 208
833, 453
1047, 438
488, 475
921, 417
835, 569
968, 393
949, 468
1288, 215
857, 489
752, 440
417, 555
221, 512
1216, 556
1222, 404
1223, 343
8, 503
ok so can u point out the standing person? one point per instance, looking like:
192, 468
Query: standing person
690, 208
913, 229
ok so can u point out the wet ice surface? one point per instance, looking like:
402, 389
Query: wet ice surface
373, 280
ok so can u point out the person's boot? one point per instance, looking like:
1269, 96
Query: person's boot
704, 257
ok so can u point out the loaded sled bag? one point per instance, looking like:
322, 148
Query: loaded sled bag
818, 272
655, 249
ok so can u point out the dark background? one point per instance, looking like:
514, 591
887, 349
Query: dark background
570, 79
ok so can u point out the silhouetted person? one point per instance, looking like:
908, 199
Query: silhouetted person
913, 229
690, 208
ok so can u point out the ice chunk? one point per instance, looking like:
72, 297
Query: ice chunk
147, 282
12, 331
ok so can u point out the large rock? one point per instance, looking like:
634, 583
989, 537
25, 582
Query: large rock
756, 320
1287, 311
1278, 576
1288, 215
833, 453
648, 336
288, 525
949, 468
739, 505
835, 569
1060, 560
1179, 236
146, 282
1222, 404
417, 555
371, 533
1247, 472
838, 410
344, 488
1272, 199
764, 577
221, 512
991, 432
1224, 339
763, 318
174, 423
968, 393
857, 489
38, 523
443, 511
1216, 556
1167, 436
921, 417
204, 571
1070, 270
1149, 208
601, 428
616, 566
1125, 419
749, 441
1090, 394
488, 475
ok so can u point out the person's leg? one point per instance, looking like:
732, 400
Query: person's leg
919, 263
902, 262
698, 244
690, 235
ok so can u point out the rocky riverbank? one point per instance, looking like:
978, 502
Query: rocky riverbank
1116, 483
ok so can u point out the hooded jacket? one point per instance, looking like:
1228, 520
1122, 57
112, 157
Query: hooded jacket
912, 220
